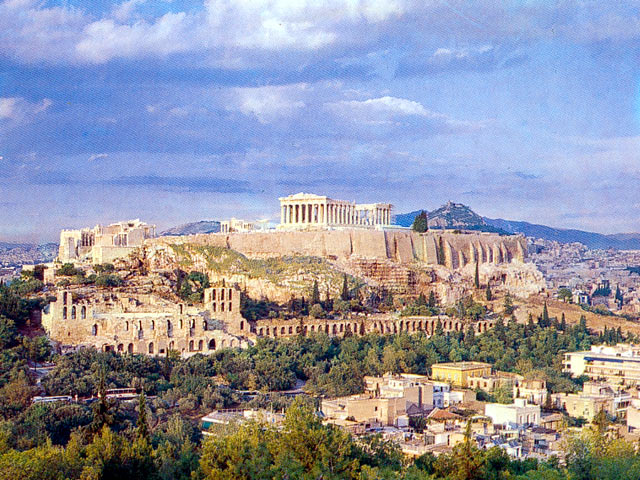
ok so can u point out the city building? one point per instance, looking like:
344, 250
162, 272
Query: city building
305, 211
519, 413
459, 373
490, 383
595, 396
619, 364
534, 391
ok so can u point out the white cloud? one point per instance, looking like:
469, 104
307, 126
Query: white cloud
269, 103
105, 39
123, 11
18, 109
381, 110
97, 156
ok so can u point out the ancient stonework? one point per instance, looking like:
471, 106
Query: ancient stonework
145, 323
449, 249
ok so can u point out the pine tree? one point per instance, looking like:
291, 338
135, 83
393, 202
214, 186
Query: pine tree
344, 295
142, 427
563, 323
488, 293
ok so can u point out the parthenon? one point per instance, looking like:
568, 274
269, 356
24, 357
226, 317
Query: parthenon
308, 211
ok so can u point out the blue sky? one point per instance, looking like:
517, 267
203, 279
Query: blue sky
176, 111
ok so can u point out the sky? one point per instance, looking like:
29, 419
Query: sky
174, 111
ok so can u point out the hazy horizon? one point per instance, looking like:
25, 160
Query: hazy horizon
179, 111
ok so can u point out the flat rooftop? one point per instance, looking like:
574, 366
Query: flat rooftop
462, 365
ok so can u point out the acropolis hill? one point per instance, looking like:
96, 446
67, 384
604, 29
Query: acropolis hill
319, 240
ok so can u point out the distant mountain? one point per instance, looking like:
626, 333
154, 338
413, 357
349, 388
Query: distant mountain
457, 215
451, 215
621, 241
203, 226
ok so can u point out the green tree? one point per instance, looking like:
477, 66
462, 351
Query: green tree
508, 307
565, 295
432, 303
476, 278
142, 428
315, 293
488, 294
421, 222
344, 294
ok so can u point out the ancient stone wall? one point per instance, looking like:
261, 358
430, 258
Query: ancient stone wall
384, 324
445, 248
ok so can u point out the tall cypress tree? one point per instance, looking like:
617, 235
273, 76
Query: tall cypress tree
477, 276
142, 427
344, 295
315, 294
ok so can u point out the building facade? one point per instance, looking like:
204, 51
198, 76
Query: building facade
460, 373
518, 413
308, 211
614, 364
103, 244
146, 324
236, 225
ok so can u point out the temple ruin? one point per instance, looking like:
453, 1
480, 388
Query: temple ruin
102, 244
305, 211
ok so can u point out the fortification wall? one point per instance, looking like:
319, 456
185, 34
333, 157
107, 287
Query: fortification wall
453, 250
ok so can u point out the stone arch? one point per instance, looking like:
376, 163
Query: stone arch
241, 324
204, 325
232, 343
153, 324
191, 345
341, 328
169, 326
171, 345
120, 347
64, 313
150, 347
290, 330
282, 331
64, 297
212, 344
326, 328
130, 348
200, 345
334, 329
73, 312
83, 312
94, 329
261, 331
